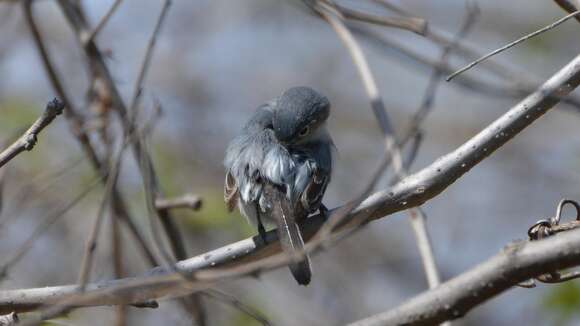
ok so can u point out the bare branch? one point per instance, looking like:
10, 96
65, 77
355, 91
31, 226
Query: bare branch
103, 21
516, 263
234, 302
569, 7
472, 83
147, 58
99, 68
413, 24
472, 11
190, 201
91, 241
505, 71
76, 18
27, 141
76, 126
512, 44
42, 227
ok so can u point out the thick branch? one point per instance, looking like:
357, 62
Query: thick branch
412, 191
518, 262
27, 141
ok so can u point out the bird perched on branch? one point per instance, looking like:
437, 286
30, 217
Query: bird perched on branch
279, 166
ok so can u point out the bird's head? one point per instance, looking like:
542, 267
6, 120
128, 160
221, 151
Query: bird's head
298, 114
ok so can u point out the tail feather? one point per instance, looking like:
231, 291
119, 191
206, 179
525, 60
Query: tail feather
291, 239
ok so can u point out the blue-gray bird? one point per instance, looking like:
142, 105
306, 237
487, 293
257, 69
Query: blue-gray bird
279, 166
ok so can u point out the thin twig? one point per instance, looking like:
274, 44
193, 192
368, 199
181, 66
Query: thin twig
43, 227
76, 123
31, 190
569, 7
91, 242
71, 113
237, 304
502, 70
418, 220
413, 24
147, 58
27, 141
401, 51
514, 43
150, 188
112, 177
103, 20
472, 11
118, 271
190, 201
76, 18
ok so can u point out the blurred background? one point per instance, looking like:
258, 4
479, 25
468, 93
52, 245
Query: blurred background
214, 63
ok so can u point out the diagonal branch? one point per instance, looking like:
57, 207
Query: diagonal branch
512, 44
27, 141
569, 6
101, 24
516, 263
187, 200
413, 24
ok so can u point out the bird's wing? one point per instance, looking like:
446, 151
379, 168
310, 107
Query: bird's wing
288, 231
231, 192
314, 190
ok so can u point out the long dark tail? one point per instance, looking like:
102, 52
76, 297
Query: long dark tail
291, 239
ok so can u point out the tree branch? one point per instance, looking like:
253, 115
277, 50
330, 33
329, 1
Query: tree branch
76, 123
469, 82
512, 44
516, 263
190, 201
413, 24
569, 6
27, 141
411, 191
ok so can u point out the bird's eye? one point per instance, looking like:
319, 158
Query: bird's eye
304, 131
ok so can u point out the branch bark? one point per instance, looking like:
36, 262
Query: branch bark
27, 141
516, 263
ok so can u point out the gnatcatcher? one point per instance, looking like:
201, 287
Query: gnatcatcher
278, 168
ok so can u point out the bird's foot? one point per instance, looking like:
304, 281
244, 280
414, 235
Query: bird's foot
262, 233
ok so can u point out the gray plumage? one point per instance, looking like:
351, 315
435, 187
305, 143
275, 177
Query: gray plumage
278, 167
